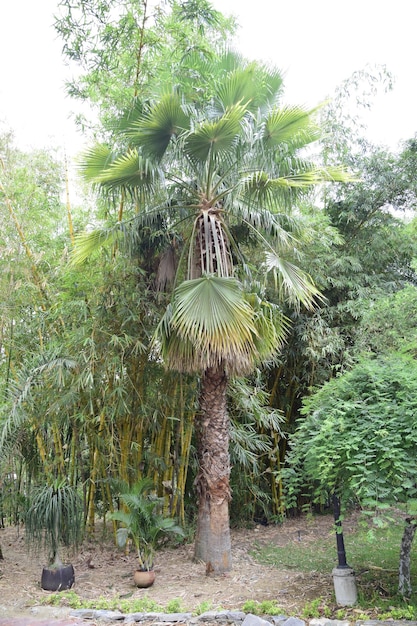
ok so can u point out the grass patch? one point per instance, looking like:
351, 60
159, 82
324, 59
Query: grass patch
125, 605
267, 607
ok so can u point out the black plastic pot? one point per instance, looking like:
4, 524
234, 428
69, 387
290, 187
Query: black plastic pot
57, 579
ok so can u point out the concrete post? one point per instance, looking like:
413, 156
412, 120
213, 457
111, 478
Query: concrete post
344, 586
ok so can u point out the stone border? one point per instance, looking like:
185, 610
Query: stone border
233, 618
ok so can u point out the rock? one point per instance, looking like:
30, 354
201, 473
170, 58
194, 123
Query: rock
131, 618
109, 616
83, 613
255, 620
207, 616
174, 617
324, 621
294, 621
222, 616
277, 620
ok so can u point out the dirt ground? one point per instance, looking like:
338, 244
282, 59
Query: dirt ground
102, 571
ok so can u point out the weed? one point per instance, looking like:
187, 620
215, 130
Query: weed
267, 607
204, 606
311, 609
174, 606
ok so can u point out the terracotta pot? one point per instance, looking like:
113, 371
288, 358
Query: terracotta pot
144, 579
57, 579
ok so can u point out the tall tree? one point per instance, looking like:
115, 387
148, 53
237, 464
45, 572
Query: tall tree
221, 175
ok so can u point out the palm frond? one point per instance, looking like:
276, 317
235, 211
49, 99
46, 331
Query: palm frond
212, 313
280, 227
263, 190
130, 170
86, 244
208, 323
290, 125
212, 321
217, 137
334, 174
94, 161
153, 131
252, 86
271, 325
294, 284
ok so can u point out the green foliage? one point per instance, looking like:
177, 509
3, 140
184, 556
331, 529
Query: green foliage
143, 522
174, 606
315, 609
137, 605
204, 606
389, 323
266, 607
54, 517
358, 437
362, 249
125, 49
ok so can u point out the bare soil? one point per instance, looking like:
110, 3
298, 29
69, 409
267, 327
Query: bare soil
101, 570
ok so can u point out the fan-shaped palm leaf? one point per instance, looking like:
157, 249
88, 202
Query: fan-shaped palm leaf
212, 313
290, 125
252, 86
85, 244
294, 284
94, 161
217, 137
212, 321
129, 170
154, 131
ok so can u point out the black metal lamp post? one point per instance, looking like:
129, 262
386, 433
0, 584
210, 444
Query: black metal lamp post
341, 552
343, 575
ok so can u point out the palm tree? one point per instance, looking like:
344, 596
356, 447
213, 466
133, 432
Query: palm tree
221, 175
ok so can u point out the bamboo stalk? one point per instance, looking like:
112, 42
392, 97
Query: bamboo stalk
68, 204
93, 477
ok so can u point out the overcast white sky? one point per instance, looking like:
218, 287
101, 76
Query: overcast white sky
316, 43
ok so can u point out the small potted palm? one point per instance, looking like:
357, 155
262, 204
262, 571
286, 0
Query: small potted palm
145, 526
54, 519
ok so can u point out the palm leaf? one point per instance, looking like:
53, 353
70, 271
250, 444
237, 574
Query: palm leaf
261, 189
217, 137
212, 313
290, 125
212, 321
85, 244
130, 170
252, 86
154, 131
294, 284
94, 161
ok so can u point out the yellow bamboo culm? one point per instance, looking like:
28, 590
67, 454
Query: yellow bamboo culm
93, 476
59, 453
73, 457
183, 466
43, 455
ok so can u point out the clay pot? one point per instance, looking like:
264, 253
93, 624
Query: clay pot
144, 579
57, 578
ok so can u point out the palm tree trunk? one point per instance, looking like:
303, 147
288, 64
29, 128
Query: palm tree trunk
212, 544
